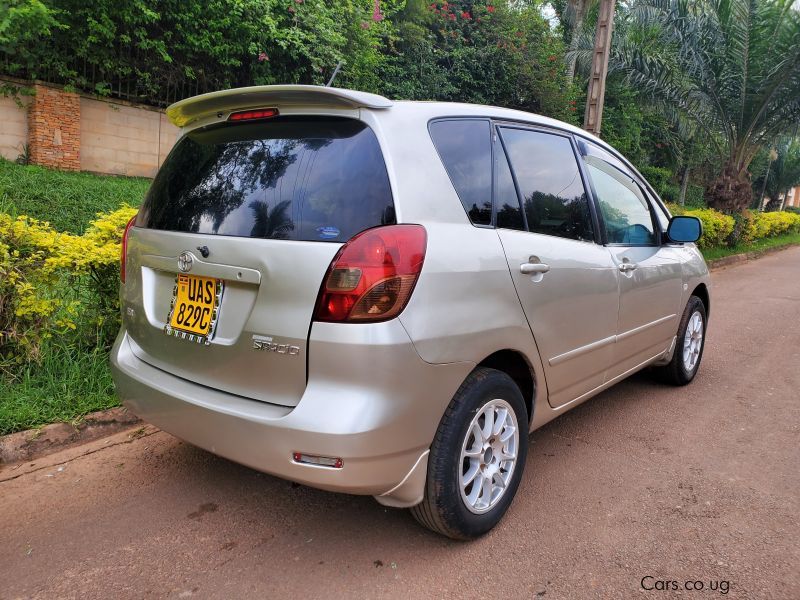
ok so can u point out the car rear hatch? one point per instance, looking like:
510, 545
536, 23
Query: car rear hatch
237, 231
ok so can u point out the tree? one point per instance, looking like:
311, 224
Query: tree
484, 51
160, 51
571, 14
23, 21
783, 175
730, 68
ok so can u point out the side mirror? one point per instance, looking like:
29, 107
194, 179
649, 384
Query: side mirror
684, 229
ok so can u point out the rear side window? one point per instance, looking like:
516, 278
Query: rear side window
466, 151
312, 179
554, 199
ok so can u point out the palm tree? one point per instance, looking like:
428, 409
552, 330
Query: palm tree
572, 14
730, 68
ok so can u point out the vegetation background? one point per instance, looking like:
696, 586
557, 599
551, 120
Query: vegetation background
703, 96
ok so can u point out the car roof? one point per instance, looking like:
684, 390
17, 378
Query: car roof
207, 108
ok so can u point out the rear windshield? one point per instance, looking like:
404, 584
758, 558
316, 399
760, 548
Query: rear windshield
313, 179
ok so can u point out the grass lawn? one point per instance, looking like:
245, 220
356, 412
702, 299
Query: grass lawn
67, 200
66, 385
789, 239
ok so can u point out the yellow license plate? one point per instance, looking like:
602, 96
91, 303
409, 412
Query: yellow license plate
195, 306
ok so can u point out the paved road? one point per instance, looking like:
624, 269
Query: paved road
697, 484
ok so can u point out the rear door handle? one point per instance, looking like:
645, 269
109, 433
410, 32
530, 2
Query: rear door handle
627, 266
529, 268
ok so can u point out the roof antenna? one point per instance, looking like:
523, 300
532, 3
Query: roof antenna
335, 73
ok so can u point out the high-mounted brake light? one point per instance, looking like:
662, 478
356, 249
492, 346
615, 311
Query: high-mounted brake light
253, 115
372, 276
123, 259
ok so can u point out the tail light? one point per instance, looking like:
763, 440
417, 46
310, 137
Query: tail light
372, 276
123, 259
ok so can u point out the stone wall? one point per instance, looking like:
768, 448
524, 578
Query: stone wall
54, 129
71, 131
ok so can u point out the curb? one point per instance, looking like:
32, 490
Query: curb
735, 259
35, 443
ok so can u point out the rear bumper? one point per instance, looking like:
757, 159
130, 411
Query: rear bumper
370, 400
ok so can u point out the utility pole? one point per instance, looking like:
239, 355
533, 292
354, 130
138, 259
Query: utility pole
597, 77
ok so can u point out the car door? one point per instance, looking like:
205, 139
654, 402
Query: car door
650, 273
566, 282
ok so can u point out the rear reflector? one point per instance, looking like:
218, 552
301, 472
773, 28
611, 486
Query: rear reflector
319, 461
254, 115
372, 276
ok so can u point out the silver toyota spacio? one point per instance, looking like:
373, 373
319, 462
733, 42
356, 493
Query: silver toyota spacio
386, 298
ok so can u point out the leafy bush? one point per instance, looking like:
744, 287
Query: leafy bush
695, 196
793, 209
661, 180
717, 227
68, 201
54, 283
744, 228
771, 224
168, 49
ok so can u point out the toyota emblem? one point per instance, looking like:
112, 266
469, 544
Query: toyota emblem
185, 261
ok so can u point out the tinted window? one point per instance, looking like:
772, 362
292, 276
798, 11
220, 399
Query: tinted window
466, 151
626, 214
291, 178
547, 173
509, 213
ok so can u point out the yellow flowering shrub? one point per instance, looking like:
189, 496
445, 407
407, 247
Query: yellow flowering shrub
770, 224
717, 227
720, 229
49, 278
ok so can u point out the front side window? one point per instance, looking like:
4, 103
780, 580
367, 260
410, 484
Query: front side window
464, 146
625, 211
554, 199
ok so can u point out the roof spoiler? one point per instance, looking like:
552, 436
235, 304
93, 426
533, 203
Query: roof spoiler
196, 108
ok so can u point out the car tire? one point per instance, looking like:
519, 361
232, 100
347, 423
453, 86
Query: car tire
462, 448
688, 346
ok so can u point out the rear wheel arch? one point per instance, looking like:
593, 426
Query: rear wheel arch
514, 364
701, 291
